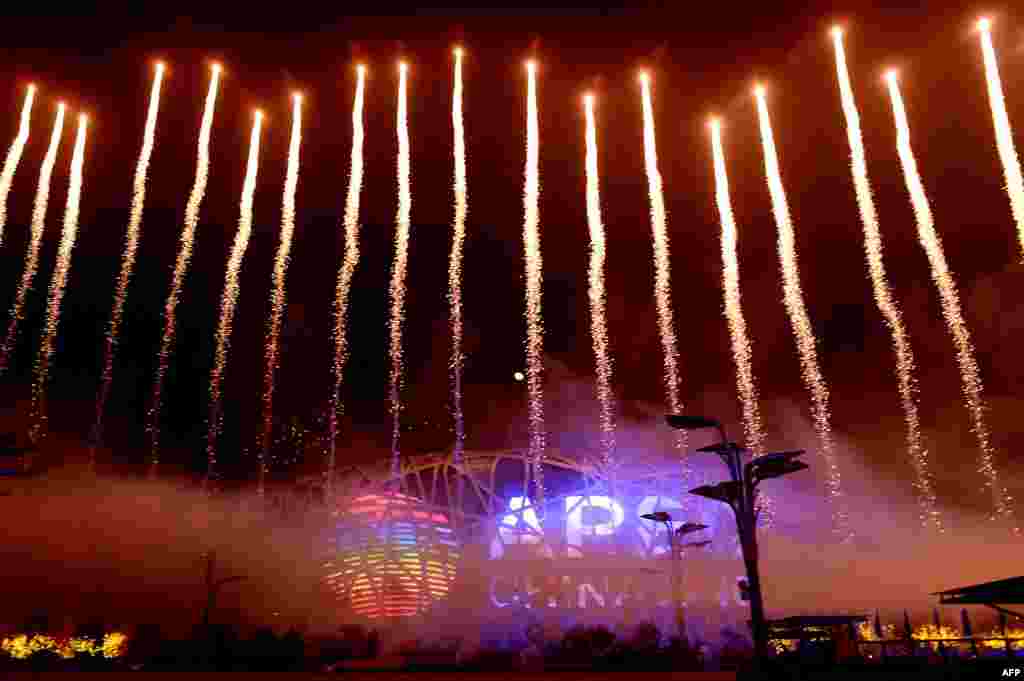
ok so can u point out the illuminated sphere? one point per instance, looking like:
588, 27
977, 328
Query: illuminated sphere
391, 555
518, 376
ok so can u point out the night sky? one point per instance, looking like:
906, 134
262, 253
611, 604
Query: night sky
702, 61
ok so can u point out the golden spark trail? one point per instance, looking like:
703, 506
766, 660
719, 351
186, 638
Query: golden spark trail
455, 259
753, 427
970, 376
741, 350
229, 298
57, 285
801, 324
42, 200
883, 295
131, 246
280, 273
596, 291
1004, 133
188, 235
14, 156
663, 275
534, 270
398, 269
348, 267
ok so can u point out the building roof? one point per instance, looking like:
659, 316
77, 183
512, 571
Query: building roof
1006, 591
817, 620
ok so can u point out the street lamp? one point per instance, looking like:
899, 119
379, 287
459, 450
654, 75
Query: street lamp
740, 493
682, 530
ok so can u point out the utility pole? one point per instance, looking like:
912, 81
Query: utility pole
740, 494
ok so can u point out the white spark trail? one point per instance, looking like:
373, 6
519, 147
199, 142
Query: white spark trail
128, 262
905, 365
14, 155
229, 298
347, 270
455, 261
277, 304
188, 235
596, 290
57, 286
398, 271
42, 200
663, 277
800, 322
970, 376
1004, 133
534, 273
741, 349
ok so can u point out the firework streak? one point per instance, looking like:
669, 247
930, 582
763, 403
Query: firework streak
596, 292
277, 303
42, 200
883, 295
455, 260
188, 235
534, 271
14, 156
398, 269
130, 247
797, 311
229, 298
970, 377
348, 268
753, 428
58, 284
1004, 133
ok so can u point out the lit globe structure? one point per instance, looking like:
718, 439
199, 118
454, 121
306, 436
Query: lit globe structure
392, 555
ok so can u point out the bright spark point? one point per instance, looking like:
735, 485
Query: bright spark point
14, 155
984, 24
905, 370
596, 292
970, 376
759, 90
455, 260
57, 286
160, 66
1004, 133
229, 297
891, 75
398, 270
837, 32
216, 67
346, 271
519, 376
534, 275
402, 67
258, 113
360, 69
40, 204
128, 262
800, 322
644, 77
279, 296
188, 233
663, 279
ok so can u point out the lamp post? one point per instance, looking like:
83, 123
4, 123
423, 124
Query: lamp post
740, 493
682, 530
